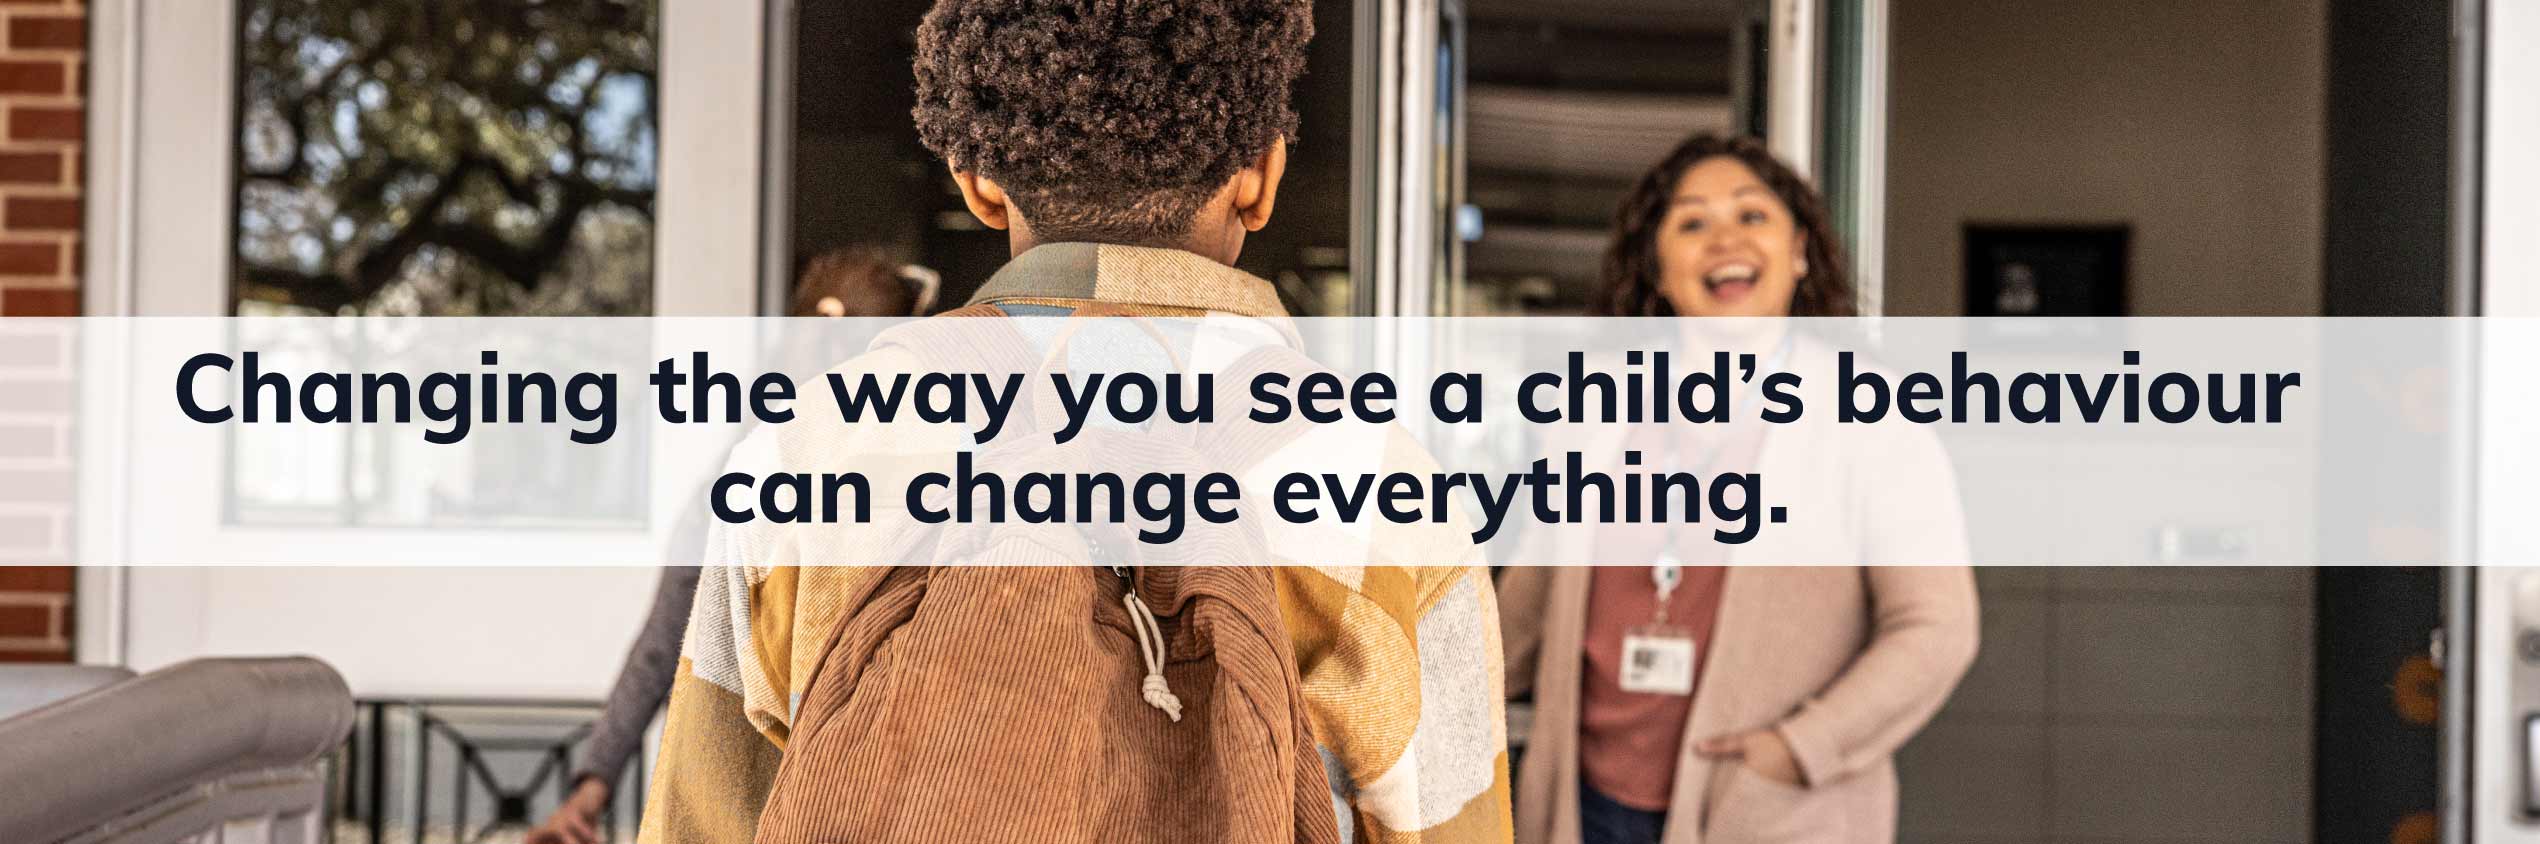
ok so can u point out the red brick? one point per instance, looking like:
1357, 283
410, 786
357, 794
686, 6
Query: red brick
35, 396
26, 621
37, 486
32, 347
35, 76
30, 168
41, 213
49, 579
46, 123
27, 441
38, 302
63, 655
26, 532
26, 258
33, 557
48, 32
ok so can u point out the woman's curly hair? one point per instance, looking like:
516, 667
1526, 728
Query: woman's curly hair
1109, 120
1631, 278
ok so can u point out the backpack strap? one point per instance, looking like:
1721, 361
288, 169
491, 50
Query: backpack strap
976, 309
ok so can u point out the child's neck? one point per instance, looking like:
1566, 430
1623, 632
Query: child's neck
1020, 239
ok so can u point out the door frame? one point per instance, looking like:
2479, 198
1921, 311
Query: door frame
2496, 267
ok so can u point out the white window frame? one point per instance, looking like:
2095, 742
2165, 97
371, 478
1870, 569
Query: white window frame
2497, 271
162, 91
159, 234
1869, 206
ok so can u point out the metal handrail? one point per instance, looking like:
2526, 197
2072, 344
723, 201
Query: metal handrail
171, 749
27, 687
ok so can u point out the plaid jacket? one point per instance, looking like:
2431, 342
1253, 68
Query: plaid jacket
1401, 664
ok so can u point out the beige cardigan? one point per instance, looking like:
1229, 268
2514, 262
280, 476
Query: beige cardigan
1847, 662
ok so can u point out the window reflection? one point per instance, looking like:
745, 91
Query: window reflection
415, 157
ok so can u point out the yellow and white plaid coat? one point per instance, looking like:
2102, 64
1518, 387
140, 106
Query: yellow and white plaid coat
1401, 664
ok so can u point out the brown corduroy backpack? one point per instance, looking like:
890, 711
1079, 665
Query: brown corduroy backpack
1124, 698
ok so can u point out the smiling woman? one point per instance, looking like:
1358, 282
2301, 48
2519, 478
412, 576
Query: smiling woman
1722, 228
1798, 749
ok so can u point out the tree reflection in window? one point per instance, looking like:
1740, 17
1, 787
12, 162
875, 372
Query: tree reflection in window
439, 157
434, 157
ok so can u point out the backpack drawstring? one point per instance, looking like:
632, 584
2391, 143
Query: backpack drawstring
1151, 646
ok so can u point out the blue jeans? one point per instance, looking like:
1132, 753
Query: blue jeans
1603, 821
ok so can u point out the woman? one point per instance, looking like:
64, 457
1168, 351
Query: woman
1802, 681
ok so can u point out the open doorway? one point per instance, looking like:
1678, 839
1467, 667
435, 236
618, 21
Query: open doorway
1563, 106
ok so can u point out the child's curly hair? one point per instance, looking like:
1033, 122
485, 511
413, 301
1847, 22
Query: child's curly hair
1109, 120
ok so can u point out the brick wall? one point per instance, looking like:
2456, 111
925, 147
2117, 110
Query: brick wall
43, 71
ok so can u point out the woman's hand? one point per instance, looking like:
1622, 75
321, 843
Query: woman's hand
577, 819
1762, 751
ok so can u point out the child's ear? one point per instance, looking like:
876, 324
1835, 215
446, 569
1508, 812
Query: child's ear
985, 197
1257, 186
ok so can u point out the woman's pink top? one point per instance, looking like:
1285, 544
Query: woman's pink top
1629, 741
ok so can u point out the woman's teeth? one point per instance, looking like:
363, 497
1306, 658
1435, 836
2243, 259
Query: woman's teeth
1734, 279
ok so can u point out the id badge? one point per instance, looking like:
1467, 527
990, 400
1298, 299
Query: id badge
1658, 661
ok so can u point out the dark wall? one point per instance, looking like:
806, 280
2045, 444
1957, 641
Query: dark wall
859, 175
2389, 162
2374, 772
1310, 231
2387, 237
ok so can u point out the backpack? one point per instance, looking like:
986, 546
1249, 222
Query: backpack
1120, 696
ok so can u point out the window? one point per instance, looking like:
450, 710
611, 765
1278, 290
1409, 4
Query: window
413, 157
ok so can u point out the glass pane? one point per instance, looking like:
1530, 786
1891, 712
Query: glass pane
418, 157
1839, 143
862, 182
415, 157
1564, 104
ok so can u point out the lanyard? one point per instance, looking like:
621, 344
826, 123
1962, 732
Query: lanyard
1666, 574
